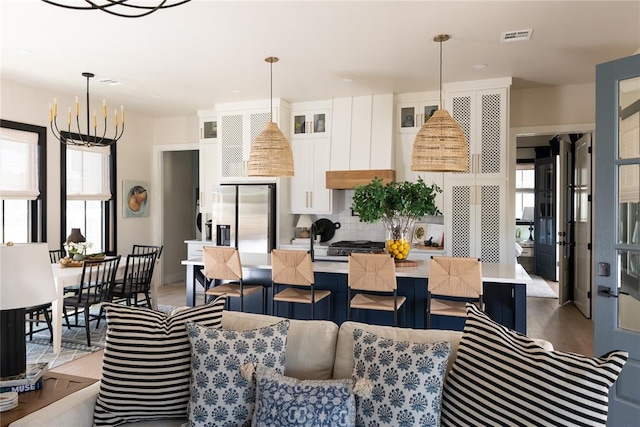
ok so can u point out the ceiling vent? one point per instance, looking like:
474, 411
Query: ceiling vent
516, 36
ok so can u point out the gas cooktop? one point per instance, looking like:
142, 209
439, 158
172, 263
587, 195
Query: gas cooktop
345, 247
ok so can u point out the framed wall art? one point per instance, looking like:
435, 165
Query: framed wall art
135, 199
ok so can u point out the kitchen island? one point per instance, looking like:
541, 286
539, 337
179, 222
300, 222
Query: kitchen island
504, 292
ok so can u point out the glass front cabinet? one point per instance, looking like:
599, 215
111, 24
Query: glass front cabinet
310, 124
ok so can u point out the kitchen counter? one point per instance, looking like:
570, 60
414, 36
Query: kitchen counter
504, 289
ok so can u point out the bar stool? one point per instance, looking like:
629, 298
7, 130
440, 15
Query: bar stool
223, 264
295, 270
373, 276
453, 281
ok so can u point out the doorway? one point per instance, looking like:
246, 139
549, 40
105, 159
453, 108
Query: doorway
565, 221
176, 178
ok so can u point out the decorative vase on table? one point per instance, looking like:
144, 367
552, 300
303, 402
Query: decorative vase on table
76, 237
398, 228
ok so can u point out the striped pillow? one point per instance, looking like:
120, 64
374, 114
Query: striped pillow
147, 363
501, 377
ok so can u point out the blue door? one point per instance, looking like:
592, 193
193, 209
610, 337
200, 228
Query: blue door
617, 229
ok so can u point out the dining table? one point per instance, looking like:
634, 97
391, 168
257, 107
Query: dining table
67, 276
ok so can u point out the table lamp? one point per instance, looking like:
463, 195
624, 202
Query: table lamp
305, 222
26, 279
527, 215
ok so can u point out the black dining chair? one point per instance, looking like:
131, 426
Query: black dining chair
136, 280
95, 284
56, 255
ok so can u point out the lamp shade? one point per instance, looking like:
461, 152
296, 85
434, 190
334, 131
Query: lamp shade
304, 221
527, 213
26, 277
440, 146
271, 153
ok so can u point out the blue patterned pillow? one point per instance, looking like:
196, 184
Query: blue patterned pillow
407, 380
220, 396
285, 401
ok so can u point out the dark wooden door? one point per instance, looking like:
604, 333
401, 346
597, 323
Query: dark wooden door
545, 218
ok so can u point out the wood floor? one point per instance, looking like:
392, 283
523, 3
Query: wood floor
564, 326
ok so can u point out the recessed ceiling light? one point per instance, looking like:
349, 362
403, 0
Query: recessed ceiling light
480, 66
346, 80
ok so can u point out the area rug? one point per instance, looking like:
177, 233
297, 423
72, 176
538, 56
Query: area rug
539, 288
74, 342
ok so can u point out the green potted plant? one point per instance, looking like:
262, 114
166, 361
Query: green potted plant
397, 205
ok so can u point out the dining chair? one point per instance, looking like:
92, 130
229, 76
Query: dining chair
223, 271
56, 255
294, 270
453, 281
145, 249
96, 281
373, 278
135, 281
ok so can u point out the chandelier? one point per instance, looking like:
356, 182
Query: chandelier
85, 138
440, 145
270, 153
122, 8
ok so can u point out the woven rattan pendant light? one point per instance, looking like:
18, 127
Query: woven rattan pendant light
271, 153
440, 145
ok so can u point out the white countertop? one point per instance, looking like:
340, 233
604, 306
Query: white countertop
491, 272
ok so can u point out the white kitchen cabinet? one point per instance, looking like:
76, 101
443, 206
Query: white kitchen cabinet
310, 124
482, 115
411, 115
207, 159
311, 158
195, 248
208, 167
362, 133
238, 126
475, 220
238, 130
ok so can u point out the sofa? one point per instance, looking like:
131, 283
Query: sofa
315, 350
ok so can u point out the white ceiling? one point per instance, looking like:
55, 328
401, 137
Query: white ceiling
190, 57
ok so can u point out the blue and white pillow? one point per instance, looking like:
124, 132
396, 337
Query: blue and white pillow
220, 395
284, 401
407, 380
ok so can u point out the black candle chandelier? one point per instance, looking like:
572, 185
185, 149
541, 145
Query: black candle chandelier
88, 138
122, 8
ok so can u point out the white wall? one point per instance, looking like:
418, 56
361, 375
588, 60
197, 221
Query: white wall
29, 105
553, 105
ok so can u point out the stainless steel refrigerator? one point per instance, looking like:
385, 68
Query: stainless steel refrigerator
244, 216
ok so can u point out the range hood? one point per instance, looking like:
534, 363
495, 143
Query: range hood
345, 180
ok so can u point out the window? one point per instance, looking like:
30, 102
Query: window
22, 182
89, 194
525, 187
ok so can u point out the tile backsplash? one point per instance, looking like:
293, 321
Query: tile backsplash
350, 226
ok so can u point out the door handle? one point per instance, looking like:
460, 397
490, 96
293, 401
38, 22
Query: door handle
603, 291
